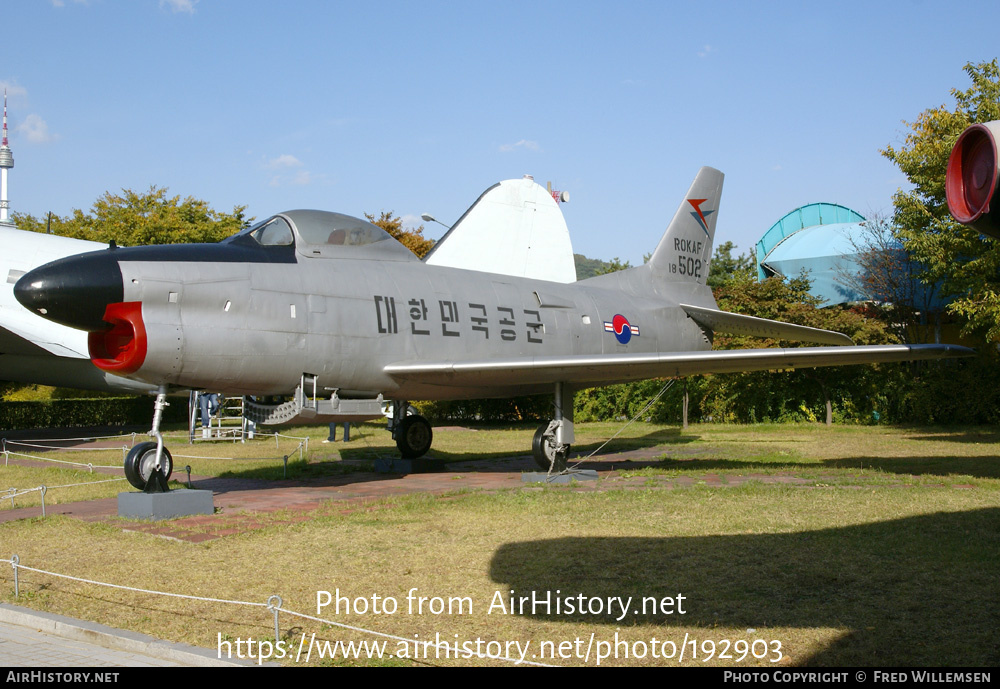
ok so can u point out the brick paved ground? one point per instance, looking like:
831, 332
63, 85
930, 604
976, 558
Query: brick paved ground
238, 499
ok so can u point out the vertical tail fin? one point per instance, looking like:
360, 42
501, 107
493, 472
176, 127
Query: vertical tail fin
686, 247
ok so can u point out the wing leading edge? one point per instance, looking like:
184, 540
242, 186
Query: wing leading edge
616, 368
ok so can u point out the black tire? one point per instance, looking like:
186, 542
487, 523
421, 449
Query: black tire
545, 453
140, 462
414, 436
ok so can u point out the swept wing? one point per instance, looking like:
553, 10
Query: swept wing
612, 368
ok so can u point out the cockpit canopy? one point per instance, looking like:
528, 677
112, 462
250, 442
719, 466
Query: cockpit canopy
322, 233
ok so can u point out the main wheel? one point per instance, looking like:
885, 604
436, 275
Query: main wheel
414, 436
141, 461
544, 451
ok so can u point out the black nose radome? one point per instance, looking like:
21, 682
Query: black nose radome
73, 291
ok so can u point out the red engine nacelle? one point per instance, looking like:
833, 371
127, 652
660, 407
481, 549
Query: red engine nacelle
121, 349
971, 180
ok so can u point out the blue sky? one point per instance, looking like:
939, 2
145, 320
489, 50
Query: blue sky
419, 106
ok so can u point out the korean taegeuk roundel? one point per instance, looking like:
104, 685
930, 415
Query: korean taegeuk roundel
622, 329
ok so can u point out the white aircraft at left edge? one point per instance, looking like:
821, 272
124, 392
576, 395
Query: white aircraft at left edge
36, 350
322, 301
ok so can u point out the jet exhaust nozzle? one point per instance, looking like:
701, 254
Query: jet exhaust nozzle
972, 176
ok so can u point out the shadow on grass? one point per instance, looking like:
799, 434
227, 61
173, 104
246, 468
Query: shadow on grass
968, 436
979, 467
915, 591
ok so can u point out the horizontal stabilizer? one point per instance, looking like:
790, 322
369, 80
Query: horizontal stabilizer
738, 324
598, 369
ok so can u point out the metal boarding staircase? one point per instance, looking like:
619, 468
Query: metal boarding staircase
306, 406
227, 423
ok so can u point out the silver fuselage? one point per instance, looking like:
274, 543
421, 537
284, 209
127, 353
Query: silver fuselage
255, 328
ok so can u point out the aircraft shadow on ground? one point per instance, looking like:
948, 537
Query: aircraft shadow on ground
357, 460
915, 591
664, 437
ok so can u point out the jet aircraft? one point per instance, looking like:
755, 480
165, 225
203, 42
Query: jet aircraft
317, 302
38, 351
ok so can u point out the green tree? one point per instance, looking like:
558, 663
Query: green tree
413, 240
612, 266
134, 219
724, 268
888, 280
590, 267
966, 264
855, 392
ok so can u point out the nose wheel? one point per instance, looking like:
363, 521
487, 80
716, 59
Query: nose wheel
140, 463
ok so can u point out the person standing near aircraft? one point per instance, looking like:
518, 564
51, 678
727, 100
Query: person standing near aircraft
333, 432
208, 402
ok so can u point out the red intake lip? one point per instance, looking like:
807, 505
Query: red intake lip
122, 348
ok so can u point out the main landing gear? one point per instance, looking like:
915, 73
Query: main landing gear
412, 432
546, 451
551, 444
148, 465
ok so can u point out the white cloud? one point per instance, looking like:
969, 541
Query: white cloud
412, 222
180, 5
284, 161
285, 173
523, 143
706, 50
13, 89
35, 130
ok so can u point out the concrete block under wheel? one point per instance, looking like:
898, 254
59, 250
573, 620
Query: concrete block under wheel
176, 503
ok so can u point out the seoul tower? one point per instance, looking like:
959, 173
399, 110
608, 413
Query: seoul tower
6, 163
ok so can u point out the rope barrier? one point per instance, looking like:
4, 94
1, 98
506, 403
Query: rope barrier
273, 605
62, 461
68, 449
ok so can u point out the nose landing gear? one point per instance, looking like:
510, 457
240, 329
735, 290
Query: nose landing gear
148, 465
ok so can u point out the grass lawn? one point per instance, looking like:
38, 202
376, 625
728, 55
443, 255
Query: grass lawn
886, 554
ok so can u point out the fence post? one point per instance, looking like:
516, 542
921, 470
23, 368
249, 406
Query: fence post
275, 608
